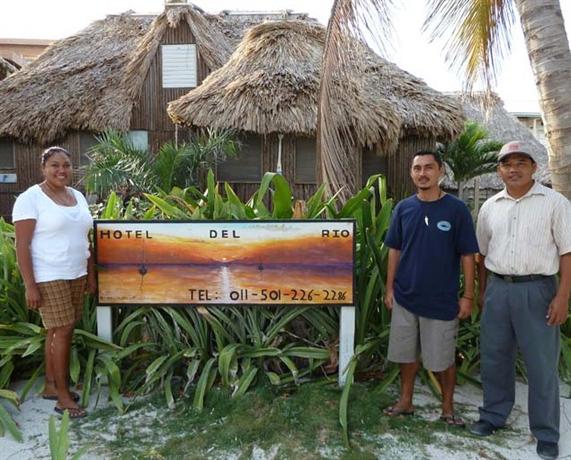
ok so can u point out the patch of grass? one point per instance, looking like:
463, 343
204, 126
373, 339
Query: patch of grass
271, 422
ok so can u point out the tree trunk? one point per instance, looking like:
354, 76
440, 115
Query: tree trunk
461, 185
476, 207
550, 58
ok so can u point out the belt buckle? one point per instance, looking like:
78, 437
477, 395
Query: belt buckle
508, 278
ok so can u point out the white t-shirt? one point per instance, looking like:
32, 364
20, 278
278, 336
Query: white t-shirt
60, 245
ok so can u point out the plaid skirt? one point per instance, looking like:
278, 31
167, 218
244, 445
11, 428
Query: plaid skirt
62, 301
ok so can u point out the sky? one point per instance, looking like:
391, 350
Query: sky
410, 50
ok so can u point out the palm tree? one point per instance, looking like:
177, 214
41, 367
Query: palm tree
476, 36
116, 165
470, 155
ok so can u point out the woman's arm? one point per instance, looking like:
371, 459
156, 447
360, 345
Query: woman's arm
24, 233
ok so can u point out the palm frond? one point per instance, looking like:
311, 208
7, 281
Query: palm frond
352, 24
471, 154
476, 35
117, 165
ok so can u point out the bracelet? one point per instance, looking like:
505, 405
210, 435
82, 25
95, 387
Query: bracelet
467, 297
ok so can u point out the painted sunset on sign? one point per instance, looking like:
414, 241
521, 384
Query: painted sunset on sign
225, 263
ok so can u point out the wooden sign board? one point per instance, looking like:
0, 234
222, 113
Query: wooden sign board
225, 263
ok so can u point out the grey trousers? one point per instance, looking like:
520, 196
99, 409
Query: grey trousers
514, 316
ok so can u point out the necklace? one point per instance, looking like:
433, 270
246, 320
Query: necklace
65, 199
425, 204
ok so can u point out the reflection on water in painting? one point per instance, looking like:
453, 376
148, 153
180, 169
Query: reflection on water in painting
227, 283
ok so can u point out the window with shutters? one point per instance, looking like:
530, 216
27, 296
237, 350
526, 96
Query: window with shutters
179, 66
86, 141
305, 160
7, 154
139, 139
246, 166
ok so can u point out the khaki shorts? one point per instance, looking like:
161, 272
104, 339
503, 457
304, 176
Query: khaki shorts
62, 301
413, 336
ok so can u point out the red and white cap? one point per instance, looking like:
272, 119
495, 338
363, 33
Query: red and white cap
521, 147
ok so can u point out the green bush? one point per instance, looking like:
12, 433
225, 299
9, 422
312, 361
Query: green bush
184, 352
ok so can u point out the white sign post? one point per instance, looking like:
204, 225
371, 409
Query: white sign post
346, 341
104, 323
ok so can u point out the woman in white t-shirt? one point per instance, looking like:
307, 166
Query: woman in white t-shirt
52, 223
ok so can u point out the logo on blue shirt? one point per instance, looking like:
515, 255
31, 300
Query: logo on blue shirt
444, 225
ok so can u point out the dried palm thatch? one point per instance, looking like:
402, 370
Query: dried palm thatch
271, 84
488, 110
90, 81
344, 41
6, 68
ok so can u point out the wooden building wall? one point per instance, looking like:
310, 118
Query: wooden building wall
28, 169
150, 112
269, 162
395, 167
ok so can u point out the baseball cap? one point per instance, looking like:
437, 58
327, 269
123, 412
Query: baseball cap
516, 147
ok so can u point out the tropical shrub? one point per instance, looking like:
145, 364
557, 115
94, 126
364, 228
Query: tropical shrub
117, 165
184, 352
470, 155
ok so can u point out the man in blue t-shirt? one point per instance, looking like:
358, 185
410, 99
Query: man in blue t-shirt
430, 235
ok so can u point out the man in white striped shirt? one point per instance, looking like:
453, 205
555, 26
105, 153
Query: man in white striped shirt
524, 234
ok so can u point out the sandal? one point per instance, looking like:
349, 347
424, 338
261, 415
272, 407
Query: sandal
453, 420
74, 412
74, 396
393, 411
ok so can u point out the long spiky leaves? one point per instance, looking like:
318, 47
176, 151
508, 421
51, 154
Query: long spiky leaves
475, 33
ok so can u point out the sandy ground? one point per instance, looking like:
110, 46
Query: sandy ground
34, 415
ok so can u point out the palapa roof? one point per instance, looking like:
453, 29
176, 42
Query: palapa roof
6, 68
489, 111
271, 85
91, 80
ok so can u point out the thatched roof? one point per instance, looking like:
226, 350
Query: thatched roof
271, 84
234, 24
504, 127
91, 80
6, 68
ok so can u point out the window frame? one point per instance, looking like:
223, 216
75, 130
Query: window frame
244, 138
297, 150
164, 60
13, 148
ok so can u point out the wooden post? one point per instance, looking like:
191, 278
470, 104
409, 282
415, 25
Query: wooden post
346, 341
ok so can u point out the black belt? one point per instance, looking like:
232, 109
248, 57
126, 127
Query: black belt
521, 278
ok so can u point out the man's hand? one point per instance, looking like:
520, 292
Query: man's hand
558, 311
465, 305
389, 299
33, 297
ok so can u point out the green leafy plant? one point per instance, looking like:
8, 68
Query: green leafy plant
470, 155
117, 165
183, 353
59, 440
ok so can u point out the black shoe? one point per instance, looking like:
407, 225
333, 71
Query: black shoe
482, 428
547, 450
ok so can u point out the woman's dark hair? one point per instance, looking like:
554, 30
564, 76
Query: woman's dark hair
51, 151
435, 154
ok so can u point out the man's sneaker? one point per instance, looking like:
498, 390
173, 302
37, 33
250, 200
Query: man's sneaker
547, 450
482, 428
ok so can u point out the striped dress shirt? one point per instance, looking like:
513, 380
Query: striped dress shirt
527, 235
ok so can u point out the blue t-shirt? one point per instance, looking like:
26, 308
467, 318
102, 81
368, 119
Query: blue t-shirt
431, 237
